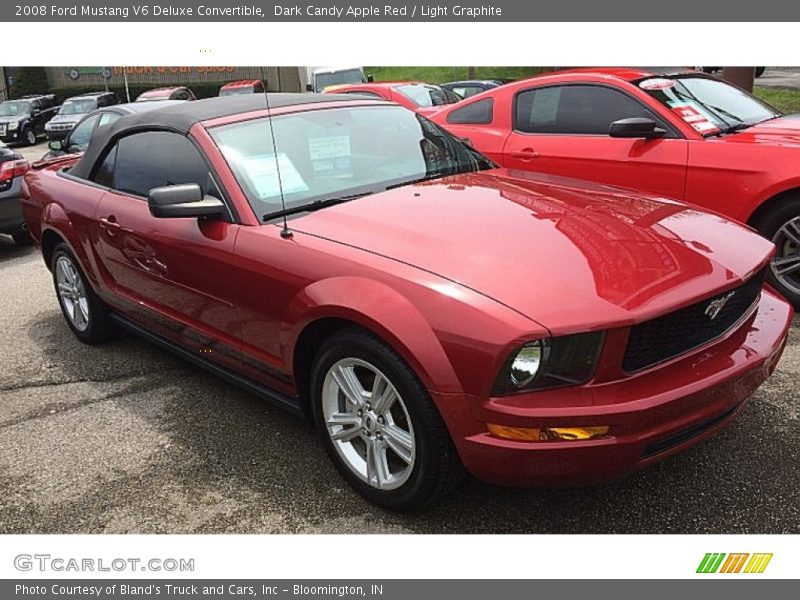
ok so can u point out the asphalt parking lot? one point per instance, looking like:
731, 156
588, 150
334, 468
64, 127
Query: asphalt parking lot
128, 438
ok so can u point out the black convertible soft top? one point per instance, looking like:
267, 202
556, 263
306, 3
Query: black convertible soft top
180, 118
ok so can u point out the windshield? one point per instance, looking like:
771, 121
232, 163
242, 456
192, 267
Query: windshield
323, 80
709, 105
427, 95
335, 154
78, 107
14, 108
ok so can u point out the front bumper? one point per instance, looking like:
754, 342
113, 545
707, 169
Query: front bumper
651, 415
11, 219
10, 136
58, 134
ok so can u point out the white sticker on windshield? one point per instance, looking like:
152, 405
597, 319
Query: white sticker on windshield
331, 156
694, 115
262, 172
657, 83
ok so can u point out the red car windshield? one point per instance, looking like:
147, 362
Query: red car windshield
338, 154
427, 95
709, 105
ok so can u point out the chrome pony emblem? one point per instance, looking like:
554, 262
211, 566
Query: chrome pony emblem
715, 306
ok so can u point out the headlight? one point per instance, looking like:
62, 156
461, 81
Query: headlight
13, 125
549, 363
526, 363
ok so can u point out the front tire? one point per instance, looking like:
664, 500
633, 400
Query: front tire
86, 315
29, 135
782, 226
379, 425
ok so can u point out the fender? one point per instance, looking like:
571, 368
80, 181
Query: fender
55, 219
380, 309
767, 194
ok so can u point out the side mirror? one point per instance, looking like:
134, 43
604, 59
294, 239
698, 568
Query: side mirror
55, 145
183, 201
636, 127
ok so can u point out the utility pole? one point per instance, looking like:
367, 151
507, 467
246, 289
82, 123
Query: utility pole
744, 77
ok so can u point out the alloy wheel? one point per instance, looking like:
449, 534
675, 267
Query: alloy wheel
30, 137
72, 293
368, 422
786, 264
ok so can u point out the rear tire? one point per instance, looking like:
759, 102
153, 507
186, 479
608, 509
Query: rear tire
404, 439
86, 315
781, 225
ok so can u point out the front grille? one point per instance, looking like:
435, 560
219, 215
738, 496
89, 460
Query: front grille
687, 434
666, 337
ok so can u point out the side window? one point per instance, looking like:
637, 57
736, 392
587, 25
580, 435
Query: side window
80, 136
144, 161
574, 109
181, 95
258, 88
475, 113
108, 118
105, 174
467, 91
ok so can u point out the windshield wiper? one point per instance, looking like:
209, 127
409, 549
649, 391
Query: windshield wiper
312, 206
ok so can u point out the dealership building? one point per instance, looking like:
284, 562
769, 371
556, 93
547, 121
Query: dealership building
205, 79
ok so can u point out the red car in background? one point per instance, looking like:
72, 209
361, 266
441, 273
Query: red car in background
424, 98
166, 93
248, 86
427, 311
682, 135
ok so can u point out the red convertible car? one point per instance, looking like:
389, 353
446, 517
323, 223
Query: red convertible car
682, 135
354, 263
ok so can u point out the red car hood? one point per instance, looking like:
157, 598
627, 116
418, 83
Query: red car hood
568, 254
784, 131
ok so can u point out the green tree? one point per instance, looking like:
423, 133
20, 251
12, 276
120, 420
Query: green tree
29, 80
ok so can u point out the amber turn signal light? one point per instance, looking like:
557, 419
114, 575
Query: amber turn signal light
546, 434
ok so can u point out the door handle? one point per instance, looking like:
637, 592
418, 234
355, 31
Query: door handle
110, 225
525, 154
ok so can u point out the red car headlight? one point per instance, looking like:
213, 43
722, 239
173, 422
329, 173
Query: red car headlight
550, 362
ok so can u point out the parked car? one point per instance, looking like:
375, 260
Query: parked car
470, 87
78, 139
320, 79
681, 135
420, 97
250, 86
427, 311
166, 93
12, 169
23, 120
74, 109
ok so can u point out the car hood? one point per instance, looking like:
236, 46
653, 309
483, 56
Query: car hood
569, 254
784, 131
67, 118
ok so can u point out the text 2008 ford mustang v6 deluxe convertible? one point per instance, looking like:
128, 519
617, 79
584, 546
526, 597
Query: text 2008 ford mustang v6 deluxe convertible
428, 311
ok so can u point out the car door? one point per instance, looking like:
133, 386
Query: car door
563, 130
172, 274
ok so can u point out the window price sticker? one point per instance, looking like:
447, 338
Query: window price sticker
331, 156
692, 114
262, 171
